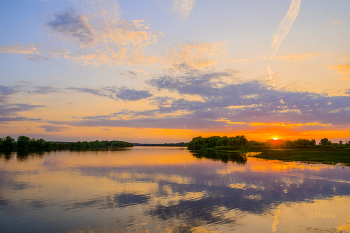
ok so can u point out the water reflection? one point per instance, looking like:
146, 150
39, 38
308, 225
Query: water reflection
169, 190
225, 157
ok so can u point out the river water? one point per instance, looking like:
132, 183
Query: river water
159, 189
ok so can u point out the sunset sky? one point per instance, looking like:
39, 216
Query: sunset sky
169, 70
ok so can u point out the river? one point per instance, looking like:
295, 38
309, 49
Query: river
164, 189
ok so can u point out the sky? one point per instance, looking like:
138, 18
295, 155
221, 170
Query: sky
157, 71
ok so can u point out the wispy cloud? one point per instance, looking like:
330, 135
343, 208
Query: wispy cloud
132, 95
194, 55
122, 93
5, 92
53, 128
31, 50
184, 7
297, 57
11, 112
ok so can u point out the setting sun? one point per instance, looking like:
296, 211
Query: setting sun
275, 138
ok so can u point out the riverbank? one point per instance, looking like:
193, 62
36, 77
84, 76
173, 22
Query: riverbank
326, 156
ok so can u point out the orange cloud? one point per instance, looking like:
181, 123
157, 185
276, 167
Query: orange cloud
297, 57
343, 70
288, 125
30, 49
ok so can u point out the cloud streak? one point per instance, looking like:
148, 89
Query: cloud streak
283, 30
285, 26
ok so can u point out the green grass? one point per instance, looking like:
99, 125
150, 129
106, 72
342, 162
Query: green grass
327, 156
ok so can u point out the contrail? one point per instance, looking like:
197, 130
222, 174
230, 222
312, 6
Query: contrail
184, 7
271, 73
285, 25
283, 30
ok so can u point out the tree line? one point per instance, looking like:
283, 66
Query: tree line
217, 142
179, 144
240, 143
25, 143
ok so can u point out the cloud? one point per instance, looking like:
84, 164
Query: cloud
196, 80
336, 22
122, 93
227, 106
343, 70
31, 50
6, 119
5, 92
184, 7
111, 92
126, 42
53, 128
42, 90
107, 39
38, 58
194, 55
96, 91
12, 110
74, 25
132, 95
297, 57
285, 25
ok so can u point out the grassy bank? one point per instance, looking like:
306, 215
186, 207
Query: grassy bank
327, 156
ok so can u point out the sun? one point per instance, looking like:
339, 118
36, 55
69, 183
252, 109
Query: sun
275, 139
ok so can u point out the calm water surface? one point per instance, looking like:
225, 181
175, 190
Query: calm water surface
155, 189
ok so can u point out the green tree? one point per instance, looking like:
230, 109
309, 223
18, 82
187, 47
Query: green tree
8, 143
313, 142
23, 142
324, 141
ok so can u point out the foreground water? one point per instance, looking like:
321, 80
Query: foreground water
155, 189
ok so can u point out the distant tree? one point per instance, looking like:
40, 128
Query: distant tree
48, 145
313, 142
40, 143
23, 142
8, 143
324, 141
341, 142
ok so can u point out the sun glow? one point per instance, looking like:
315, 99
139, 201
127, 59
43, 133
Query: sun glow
275, 139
